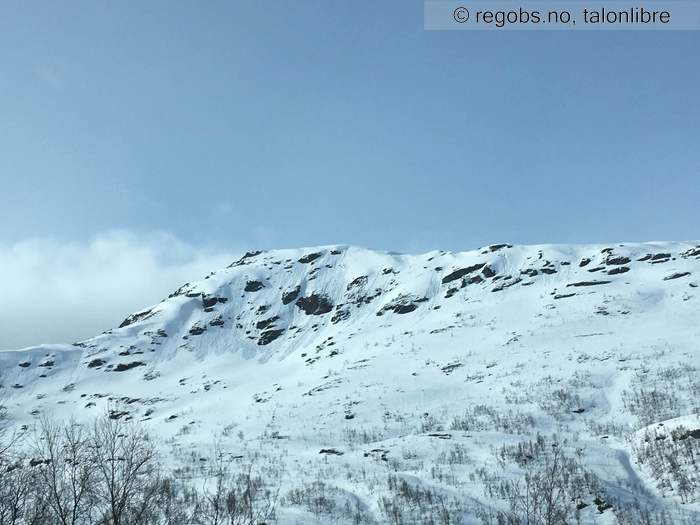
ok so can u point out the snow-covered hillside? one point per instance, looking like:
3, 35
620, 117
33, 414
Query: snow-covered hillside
363, 373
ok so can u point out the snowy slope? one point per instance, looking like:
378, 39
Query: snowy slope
420, 366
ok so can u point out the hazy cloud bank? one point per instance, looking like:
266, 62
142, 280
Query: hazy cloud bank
53, 291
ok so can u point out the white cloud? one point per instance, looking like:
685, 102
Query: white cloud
63, 292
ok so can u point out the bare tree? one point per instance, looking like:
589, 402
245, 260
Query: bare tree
126, 472
21, 500
63, 470
16, 481
6, 442
547, 492
246, 496
109, 474
218, 497
177, 503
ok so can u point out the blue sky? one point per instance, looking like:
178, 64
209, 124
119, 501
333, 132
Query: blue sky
144, 143
270, 124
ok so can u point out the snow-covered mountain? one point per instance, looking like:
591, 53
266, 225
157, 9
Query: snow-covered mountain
351, 366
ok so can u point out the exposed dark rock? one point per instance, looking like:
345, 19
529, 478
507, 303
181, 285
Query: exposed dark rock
359, 299
208, 302
268, 336
618, 270
378, 454
24, 364
288, 297
404, 308
218, 321
659, 258
330, 451
472, 280
197, 330
96, 362
134, 318
530, 272
584, 262
588, 283
617, 261
315, 304
357, 282
448, 369
496, 247
244, 259
677, 275
458, 274
440, 435
340, 314
487, 272
123, 367
117, 414
180, 291
265, 323
601, 504
310, 258
450, 292
506, 284
402, 305
563, 295
695, 434
253, 286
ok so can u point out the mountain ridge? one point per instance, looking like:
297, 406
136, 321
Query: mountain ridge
318, 343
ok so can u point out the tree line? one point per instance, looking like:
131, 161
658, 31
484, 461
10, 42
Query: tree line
110, 472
